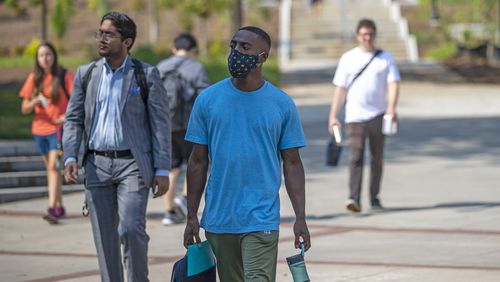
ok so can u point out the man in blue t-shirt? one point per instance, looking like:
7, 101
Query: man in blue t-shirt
240, 127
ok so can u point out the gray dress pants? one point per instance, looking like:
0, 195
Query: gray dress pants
358, 132
117, 200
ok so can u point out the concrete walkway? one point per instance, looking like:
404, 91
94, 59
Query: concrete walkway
440, 188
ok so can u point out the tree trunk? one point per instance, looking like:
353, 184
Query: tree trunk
44, 20
203, 37
236, 17
498, 22
153, 22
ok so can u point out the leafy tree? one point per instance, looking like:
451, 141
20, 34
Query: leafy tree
61, 16
100, 6
203, 9
14, 5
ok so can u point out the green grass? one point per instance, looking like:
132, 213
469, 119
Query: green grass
13, 124
443, 52
27, 62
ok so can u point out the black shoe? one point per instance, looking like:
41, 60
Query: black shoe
376, 205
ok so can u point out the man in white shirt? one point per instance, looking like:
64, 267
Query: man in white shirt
367, 82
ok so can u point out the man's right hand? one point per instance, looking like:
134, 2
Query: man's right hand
331, 123
71, 172
192, 231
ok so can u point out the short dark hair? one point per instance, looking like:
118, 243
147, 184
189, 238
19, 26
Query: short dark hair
261, 33
124, 25
366, 23
185, 41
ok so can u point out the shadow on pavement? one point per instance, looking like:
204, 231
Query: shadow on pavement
460, 139
459, 206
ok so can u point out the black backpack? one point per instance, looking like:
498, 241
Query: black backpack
180, 97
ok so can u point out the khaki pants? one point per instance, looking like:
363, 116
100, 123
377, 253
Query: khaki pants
245, 257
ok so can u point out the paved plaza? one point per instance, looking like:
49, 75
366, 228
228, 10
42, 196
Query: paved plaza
440, 188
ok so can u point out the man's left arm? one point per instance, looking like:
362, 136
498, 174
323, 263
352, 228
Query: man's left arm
159, 123
393, 96
293, 171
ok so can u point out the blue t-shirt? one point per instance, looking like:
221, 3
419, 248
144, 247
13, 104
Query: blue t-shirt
244, 132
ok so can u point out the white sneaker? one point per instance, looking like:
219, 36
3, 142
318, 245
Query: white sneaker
181, 202
172, 217
352, 206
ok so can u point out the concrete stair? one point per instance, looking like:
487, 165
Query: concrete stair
22, 163
22, 172
328, 35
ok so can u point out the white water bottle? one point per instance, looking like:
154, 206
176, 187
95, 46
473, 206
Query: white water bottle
336, 134
389, 126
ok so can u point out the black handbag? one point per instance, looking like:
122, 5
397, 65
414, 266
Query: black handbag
333, 150
179, 273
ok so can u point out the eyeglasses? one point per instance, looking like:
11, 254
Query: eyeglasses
105, 35
371, 34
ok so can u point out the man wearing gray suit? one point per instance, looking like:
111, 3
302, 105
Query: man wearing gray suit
126, 137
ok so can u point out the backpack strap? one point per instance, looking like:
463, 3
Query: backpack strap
86, 77
62, 81
140, 77
180, 63
174, 69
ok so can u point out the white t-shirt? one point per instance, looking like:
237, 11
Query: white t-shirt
366, 98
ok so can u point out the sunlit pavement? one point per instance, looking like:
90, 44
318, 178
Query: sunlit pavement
440, 190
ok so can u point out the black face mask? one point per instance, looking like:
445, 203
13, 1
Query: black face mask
240, 64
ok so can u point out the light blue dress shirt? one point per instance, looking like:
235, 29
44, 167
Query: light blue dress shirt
106, 132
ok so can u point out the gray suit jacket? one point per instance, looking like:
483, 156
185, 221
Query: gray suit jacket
146, 132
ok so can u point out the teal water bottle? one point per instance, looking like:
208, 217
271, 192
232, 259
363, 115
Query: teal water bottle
298, 266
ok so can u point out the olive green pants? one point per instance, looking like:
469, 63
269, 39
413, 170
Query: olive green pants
245, 257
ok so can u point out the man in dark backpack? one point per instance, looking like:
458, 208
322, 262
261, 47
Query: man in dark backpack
183, 78
126, 144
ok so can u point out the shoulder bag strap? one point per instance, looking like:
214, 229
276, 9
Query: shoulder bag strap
377, 52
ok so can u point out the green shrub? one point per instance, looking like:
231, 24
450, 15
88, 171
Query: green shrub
30, 49
470, 40
217, 47
425, 37
216, 68
16, 50
150, 54
443, 52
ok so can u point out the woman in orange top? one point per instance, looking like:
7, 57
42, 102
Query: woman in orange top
46, 91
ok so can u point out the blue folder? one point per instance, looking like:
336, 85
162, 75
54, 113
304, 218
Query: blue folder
200, 258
